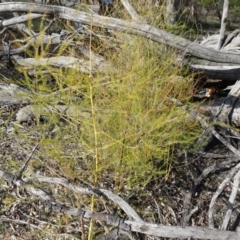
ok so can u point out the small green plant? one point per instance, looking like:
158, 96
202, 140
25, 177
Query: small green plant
133, 131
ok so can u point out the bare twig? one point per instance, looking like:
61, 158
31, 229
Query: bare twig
5, 219
232, 197
100, 192
187, 201
218, 192
214, 132
19, 176
12, 179
215, 167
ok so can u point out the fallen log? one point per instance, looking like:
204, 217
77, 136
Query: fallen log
132, 27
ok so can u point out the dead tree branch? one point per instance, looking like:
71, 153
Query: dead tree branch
136, 225
133, 27
218, 192
223, 24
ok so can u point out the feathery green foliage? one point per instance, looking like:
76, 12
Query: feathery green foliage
125, 128
133, 128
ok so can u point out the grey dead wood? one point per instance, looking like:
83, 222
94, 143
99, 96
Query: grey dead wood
143, 227
24, 167
205, 173
13, 180
223, 24
143, 29
19, 19
224, 72
34, 112
220, 189
223, 111
146, 228
84, 66
130, 10
100, 192
11, 94
21, 26
97, 63
178, 232
231, 200
213, 69
128, 225
215, 155
216, 166
230, 37
212, 130
132, 27
188, 209
17, 221
227, 110
172, 11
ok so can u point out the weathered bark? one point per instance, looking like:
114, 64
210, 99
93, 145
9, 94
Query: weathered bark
223, 24
226, 73
136, 224
172, 11
227, 110
133, 27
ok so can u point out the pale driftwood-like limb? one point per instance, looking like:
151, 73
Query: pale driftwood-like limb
22, 26
179, 232
129, 225
218, 192
101, 192
231, 37
34, 112
81, 65
231, 200
233, 94
146, 228
171, 11
133, 27
130, 10
223, 24
12, 179
214, 132
11, 94
230, 110
20, 19
97, 65
227, 110
21, 222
